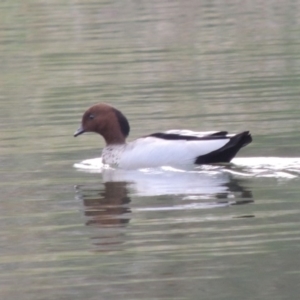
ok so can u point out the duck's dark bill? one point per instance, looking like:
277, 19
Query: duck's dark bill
79, 131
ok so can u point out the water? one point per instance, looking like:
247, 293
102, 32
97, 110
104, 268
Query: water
216, 233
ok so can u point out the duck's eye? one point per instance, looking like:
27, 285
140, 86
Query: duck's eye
91, 116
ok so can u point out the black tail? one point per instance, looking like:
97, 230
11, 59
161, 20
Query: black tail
228, 151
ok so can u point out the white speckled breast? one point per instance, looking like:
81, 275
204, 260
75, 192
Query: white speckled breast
111, 155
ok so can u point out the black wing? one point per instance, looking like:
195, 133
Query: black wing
228, 151
190, 135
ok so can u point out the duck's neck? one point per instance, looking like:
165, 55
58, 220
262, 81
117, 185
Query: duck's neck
112, 139
112, 132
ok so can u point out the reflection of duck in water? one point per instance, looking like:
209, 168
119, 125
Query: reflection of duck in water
212, 182
170, 148
108, 205
108, 208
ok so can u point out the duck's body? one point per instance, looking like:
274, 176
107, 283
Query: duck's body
170, 148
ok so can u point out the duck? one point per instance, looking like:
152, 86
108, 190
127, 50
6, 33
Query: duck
172, 148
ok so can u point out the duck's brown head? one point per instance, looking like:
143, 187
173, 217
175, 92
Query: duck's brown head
107, 121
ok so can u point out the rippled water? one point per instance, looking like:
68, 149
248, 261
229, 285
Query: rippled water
216, 232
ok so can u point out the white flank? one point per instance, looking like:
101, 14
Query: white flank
152, 152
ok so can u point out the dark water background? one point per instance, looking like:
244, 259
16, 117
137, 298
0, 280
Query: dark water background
199, 65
